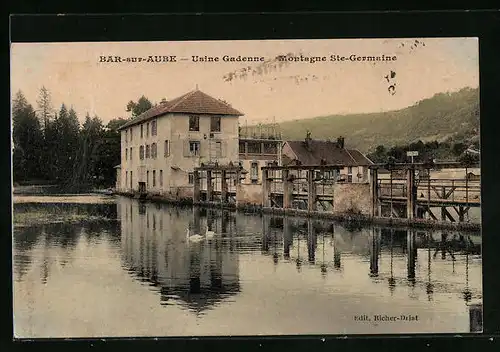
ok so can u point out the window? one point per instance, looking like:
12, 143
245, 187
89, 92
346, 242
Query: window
349, 174
148, 151
126, 153
329, 175
131, 180
254, 172
191, 178
215, 124
153, 128
142, 131
130, 153
141, 152
126, 178
126, 136
253, 147
218, 149
270, 148
194, 123
147, 129
154, 151
154, 178
131, 130
271, 173
242, 147
161, 178
194, 148
167, 149
147, 179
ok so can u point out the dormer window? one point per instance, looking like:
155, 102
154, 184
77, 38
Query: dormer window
194, 123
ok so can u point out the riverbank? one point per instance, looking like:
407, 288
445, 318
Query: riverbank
26, 219
350, 219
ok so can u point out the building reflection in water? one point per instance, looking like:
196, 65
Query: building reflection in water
199, 275
156, 250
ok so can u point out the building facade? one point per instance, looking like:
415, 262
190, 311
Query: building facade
258, 147
161, 147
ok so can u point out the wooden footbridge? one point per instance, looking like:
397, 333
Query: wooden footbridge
419, 195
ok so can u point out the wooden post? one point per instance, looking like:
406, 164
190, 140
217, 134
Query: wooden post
374, 192
392, 209
210, 186
224, 223
429, 192
196, 186
374, 253
196, 221
287, 190
476, 317
223, 187
287, 237
311, 242
265, 233
337, 254
411, 194
311, 191
411, 253
265, 188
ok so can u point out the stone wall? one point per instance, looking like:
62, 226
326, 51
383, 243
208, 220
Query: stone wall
352, 197
249, 194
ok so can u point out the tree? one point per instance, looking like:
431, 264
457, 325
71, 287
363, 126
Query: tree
45, 107
114, 124
86, 170
137, 108
65, 143
27, 138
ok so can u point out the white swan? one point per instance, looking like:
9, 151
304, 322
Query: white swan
193, 238
209, 233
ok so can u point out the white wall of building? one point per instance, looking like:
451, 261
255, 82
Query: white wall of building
171, 170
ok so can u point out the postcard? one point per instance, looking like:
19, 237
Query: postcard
237, 188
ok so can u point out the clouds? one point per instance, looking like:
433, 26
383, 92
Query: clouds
73, 74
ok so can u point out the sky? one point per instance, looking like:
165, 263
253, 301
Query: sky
74, 75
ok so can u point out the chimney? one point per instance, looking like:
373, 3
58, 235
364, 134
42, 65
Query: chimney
340, 142
308, 140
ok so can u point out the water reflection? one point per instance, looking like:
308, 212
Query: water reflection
200, 275
53, 243
245, 261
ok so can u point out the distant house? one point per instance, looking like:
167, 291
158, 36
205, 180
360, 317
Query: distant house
161, 147
311, 152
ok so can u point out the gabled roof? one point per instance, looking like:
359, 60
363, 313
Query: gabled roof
194, 102
314, 152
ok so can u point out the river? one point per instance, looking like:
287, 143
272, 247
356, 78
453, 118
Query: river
103, 266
